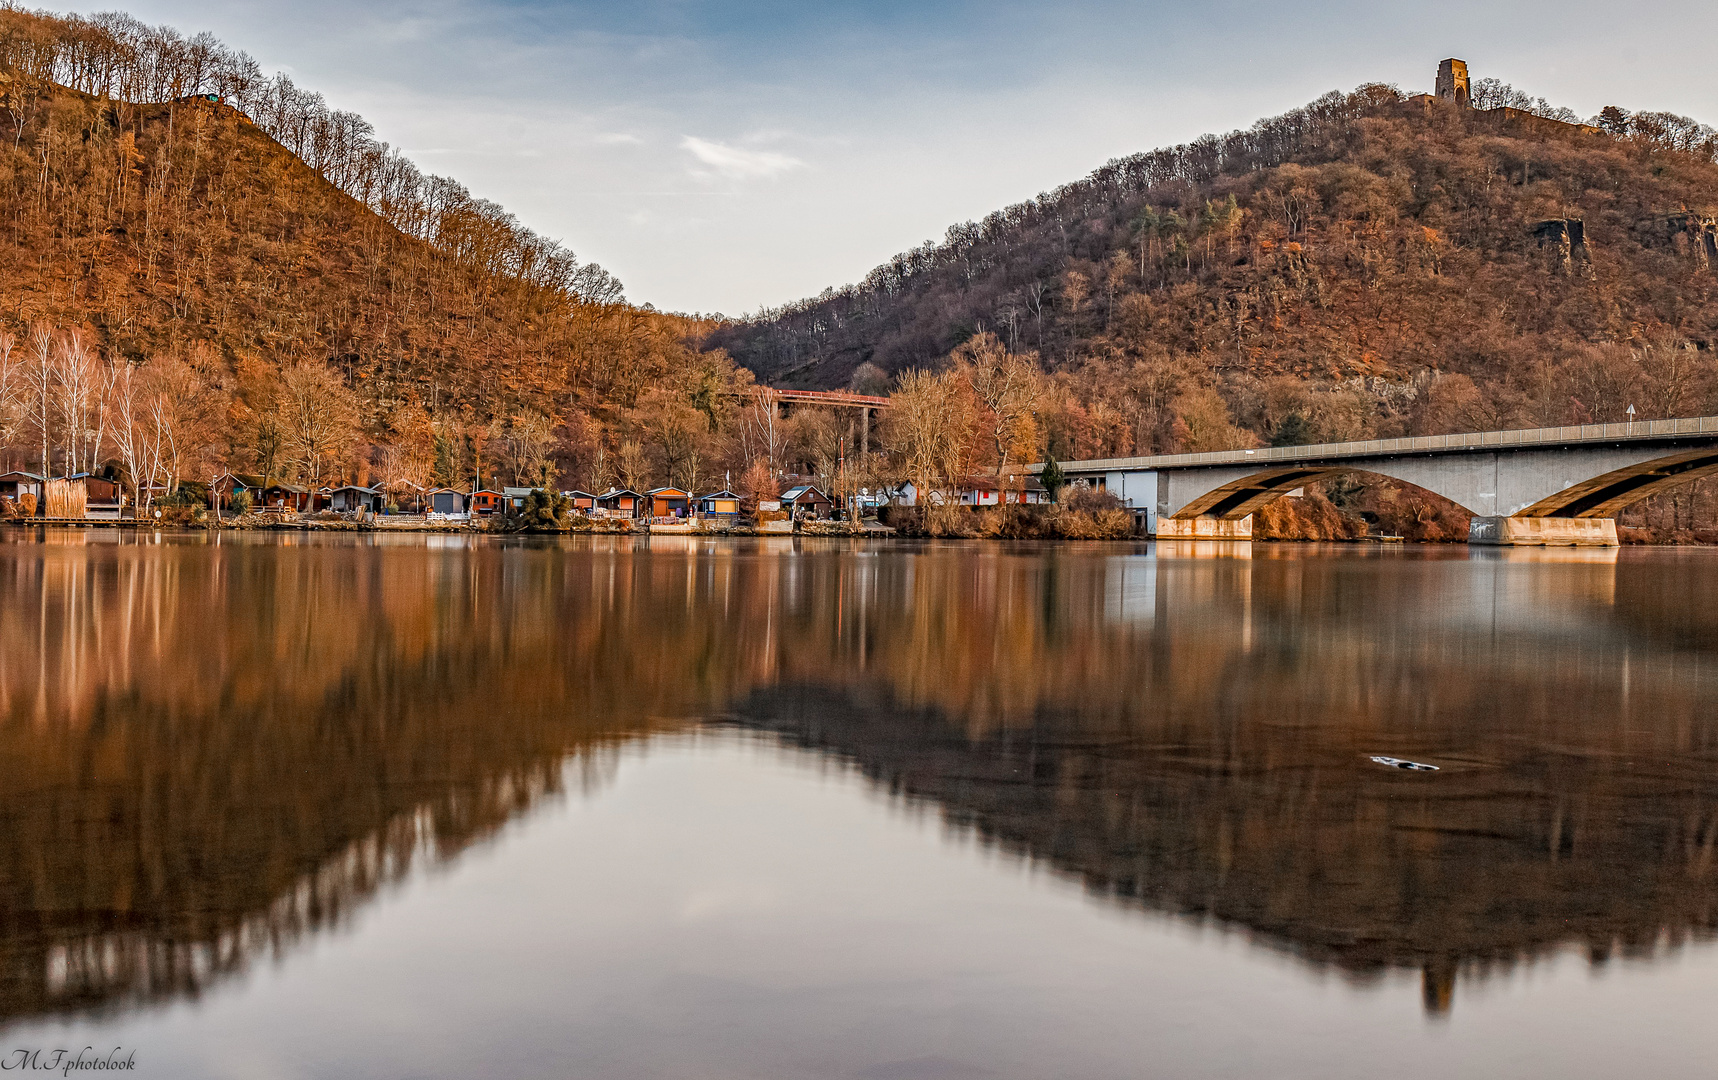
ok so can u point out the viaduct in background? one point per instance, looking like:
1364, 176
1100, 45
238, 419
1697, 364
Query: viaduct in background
1560, 485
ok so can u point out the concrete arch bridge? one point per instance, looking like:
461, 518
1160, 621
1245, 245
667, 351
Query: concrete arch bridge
1560, 485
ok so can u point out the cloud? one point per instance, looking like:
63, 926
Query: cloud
619, 138
737, 164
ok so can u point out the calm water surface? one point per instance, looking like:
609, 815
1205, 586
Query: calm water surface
440, 807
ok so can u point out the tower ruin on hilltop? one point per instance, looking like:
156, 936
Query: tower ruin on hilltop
1452, 81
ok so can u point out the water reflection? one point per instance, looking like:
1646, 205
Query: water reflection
209, 748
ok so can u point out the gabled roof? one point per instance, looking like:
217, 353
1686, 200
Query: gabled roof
723, 494
353, 487
667, 490
292, 488
438, 490
577, 494
517, 492
22, 473
612, 492
794, 494
488, 491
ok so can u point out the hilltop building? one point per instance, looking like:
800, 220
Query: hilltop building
1454, 88
1452, 82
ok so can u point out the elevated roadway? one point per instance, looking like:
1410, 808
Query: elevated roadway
1562, 485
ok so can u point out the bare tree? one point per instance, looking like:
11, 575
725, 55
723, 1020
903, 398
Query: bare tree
39, 379
763, 437
1675, 375
930, 425
319, 416
602, 468
631, 464
1008, 386
81, 401
816, 436
13, 391
135, 432
527, 443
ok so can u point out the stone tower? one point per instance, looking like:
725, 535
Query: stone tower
1452, 81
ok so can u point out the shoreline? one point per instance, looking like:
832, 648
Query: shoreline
368, 528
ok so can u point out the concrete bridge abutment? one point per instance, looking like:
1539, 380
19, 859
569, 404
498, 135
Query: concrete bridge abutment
1543, 531
1204, 528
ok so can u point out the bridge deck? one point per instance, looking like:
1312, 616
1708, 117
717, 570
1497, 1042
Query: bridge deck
830, 397
1642, 431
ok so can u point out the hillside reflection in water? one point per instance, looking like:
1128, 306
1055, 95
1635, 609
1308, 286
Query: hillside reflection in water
210, 749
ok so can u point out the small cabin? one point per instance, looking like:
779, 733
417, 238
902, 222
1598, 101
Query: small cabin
98, 489
621, 502
515, 498
15, 485
444, 501
583, 501
722, 503
668, 502
229, 484
807, 501
354, 497
487, 501
284, 497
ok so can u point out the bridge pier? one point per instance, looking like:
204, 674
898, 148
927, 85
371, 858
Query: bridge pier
1543, 531
1204, 528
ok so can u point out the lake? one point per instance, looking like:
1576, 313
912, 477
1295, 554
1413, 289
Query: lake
283, 805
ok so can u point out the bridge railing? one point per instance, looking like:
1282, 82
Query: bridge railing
1644, 430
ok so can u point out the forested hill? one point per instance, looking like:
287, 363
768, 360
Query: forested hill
166, 201
1368, 246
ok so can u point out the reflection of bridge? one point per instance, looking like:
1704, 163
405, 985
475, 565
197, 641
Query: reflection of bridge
1535, 486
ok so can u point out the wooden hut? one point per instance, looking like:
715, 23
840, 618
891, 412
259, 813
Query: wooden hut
583, 501
444, 501
620, 502
354, 497
668, 502
807, 501
15, 485
722, 503
284, 498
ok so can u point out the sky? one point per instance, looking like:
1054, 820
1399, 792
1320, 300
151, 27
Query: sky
731, 155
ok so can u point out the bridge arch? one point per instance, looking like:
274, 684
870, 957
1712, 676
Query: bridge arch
1241, 497
1608, 493
1600, 496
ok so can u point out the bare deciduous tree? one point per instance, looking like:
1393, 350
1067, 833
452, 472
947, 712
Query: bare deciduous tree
526, 443
319, 417
602, 468
1008, 386
631, 464
763, 437
39, 379
136, 433
930, 425
13, 391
